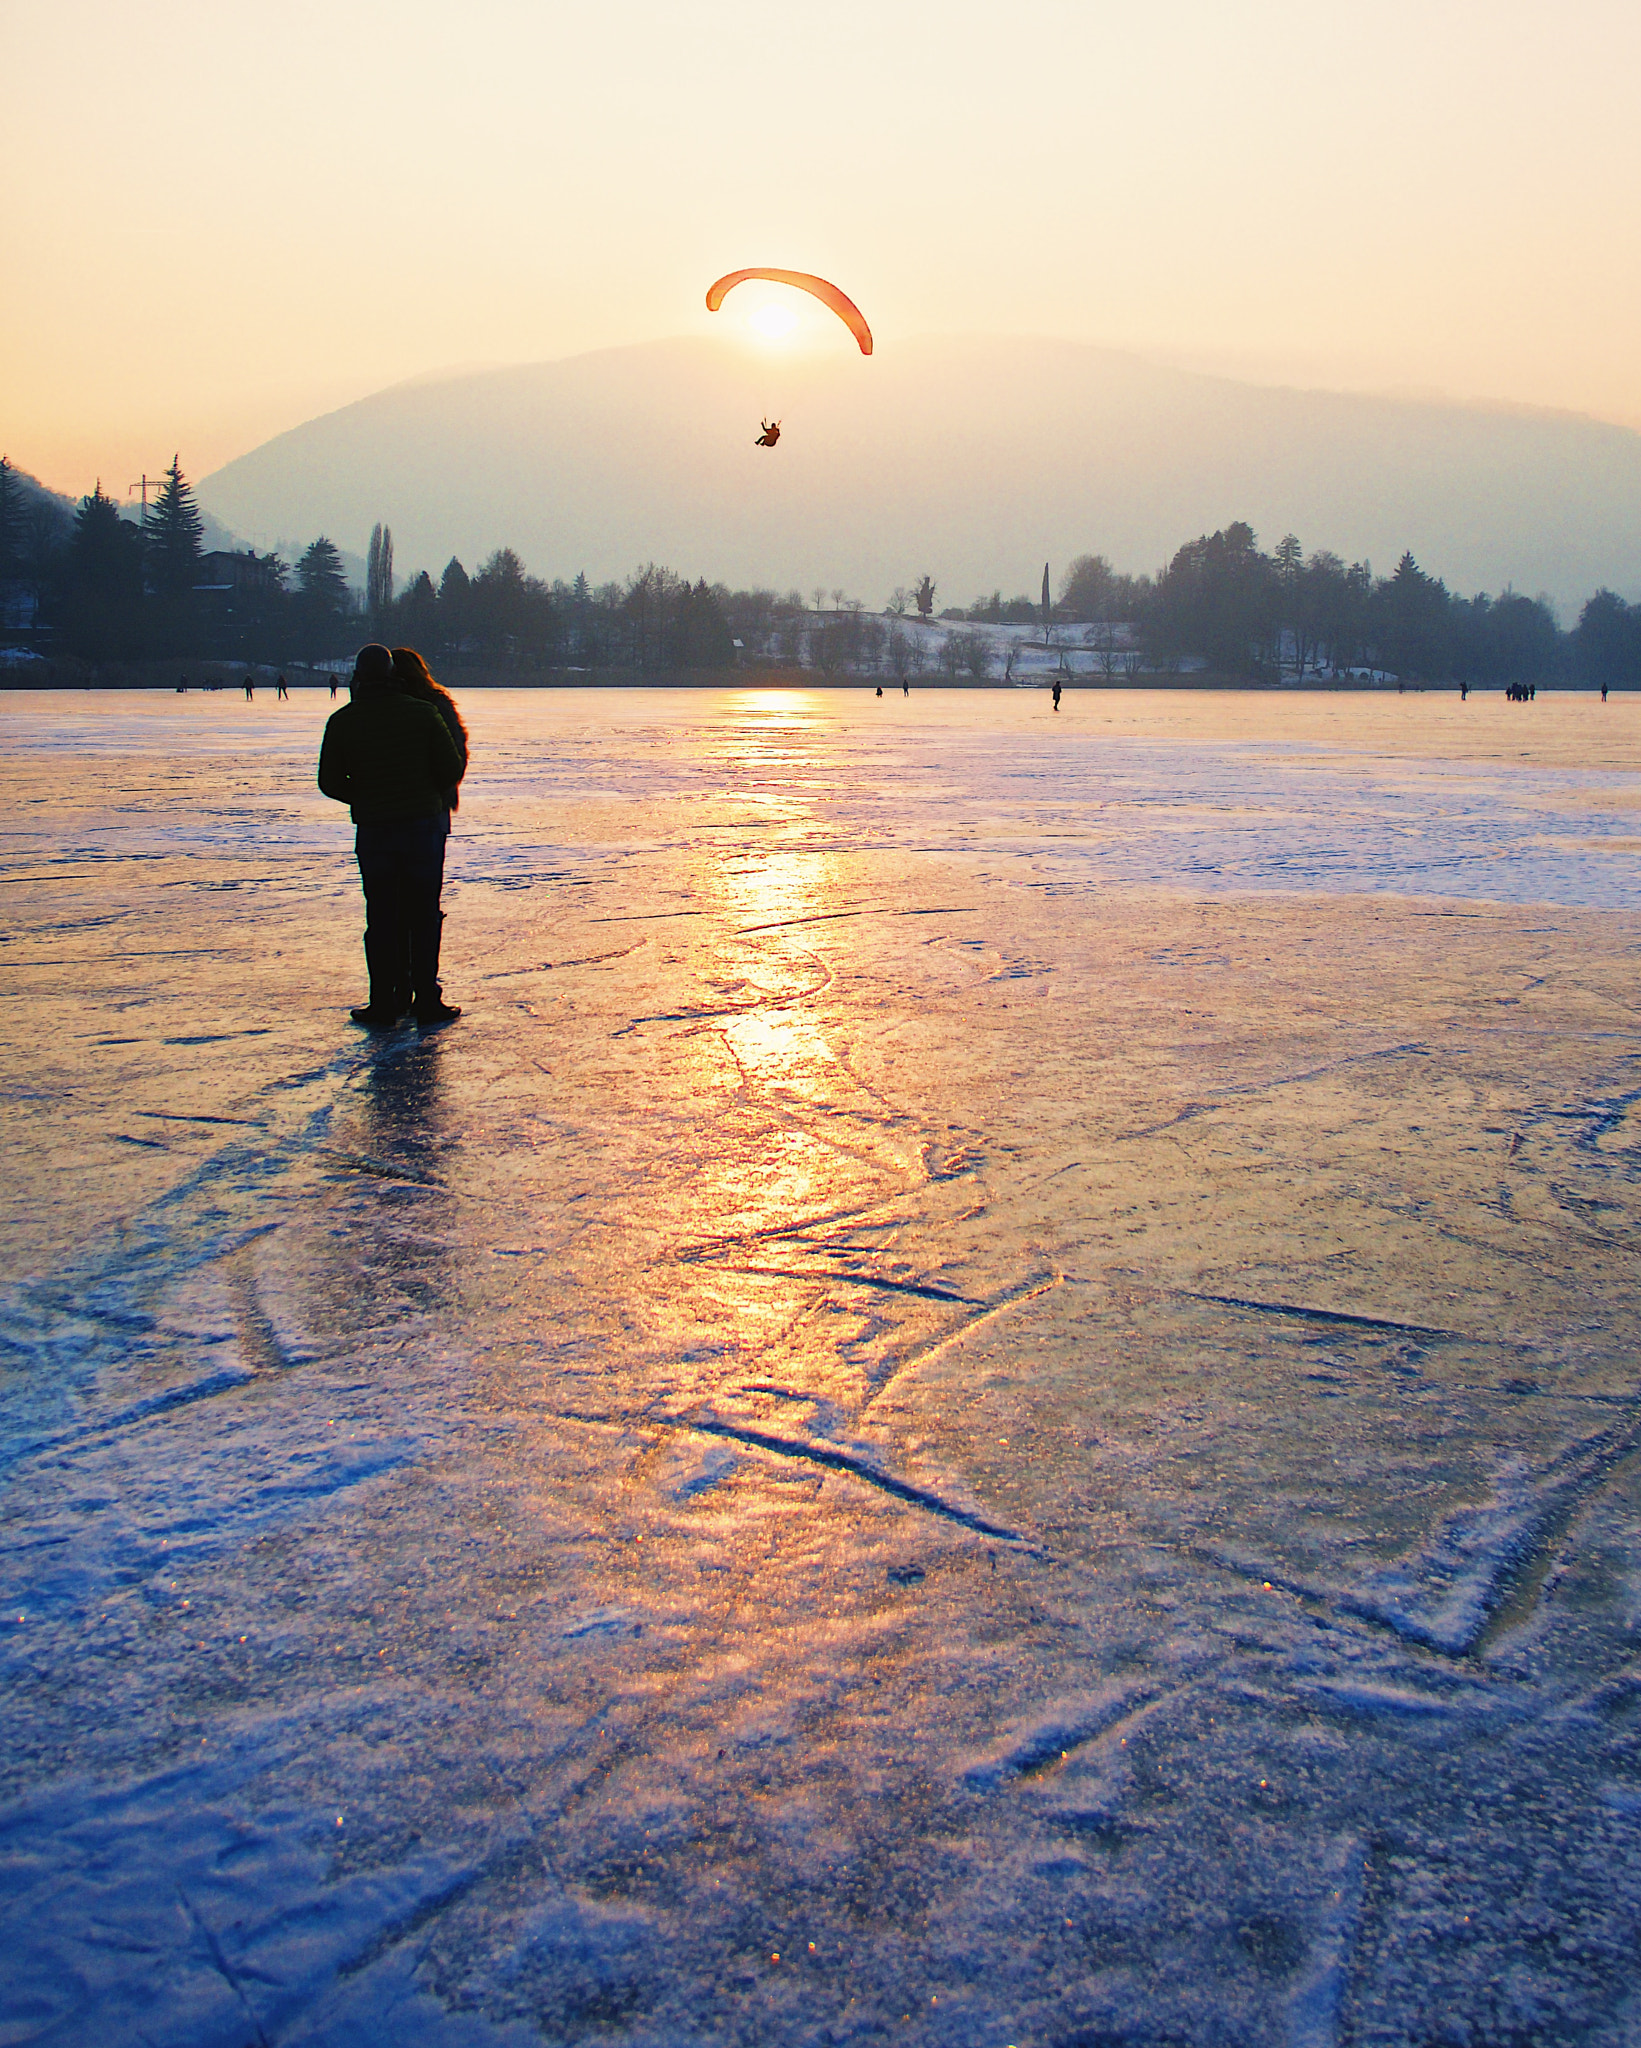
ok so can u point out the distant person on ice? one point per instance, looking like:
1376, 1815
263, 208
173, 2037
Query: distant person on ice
391, 758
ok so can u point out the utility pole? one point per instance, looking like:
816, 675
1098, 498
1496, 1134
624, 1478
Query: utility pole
146, 481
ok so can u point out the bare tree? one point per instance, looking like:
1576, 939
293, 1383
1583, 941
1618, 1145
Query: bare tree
1110, 659
826, 649
978, 654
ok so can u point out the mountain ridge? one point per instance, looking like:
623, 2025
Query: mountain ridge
975, 457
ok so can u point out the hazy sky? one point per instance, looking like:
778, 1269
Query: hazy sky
220, 219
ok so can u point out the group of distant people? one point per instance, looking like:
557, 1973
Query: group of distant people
1524, 693
282, 693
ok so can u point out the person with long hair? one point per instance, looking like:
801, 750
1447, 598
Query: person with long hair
412, 675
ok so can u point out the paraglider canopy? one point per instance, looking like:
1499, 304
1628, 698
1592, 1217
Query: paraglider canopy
817, 287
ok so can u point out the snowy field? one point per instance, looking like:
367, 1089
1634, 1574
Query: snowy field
988, 1396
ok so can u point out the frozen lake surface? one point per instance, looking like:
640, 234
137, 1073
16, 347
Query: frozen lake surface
988, 1396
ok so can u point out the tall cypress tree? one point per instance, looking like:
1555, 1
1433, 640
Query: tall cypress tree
175, 535
379, 575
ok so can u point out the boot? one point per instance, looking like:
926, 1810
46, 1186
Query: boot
431, 1007
388, 966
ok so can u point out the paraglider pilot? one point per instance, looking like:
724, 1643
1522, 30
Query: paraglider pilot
770, 435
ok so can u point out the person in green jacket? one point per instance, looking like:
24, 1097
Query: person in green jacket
391, 759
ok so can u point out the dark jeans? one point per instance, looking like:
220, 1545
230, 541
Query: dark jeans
402, 868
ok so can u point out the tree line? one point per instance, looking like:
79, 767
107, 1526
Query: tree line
94, 584
99, 586
1295, 617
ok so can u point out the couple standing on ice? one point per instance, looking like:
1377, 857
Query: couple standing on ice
396, 755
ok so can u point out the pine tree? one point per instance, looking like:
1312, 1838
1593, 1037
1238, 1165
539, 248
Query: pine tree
105, 553
321, 578
1415, 623
454, 603
1288, 560
11, 519
419, 609
175, 536
102, 607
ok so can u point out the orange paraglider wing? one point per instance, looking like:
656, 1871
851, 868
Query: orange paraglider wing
817, 287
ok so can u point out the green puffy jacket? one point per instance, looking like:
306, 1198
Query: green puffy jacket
389, 757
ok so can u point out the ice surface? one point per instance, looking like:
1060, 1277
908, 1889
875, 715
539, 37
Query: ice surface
987, 1396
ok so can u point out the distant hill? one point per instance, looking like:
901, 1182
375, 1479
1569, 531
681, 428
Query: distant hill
976, 459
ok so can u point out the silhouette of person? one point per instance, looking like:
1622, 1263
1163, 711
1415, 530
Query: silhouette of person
1603, 693
333, 689
281, 694
880, 689
412, 675
1464, 693
1056, 696
391, 759
906, 688
250, 691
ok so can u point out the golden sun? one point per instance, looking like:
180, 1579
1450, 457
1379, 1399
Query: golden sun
773, 323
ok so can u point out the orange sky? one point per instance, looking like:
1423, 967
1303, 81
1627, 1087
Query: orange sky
222, 220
